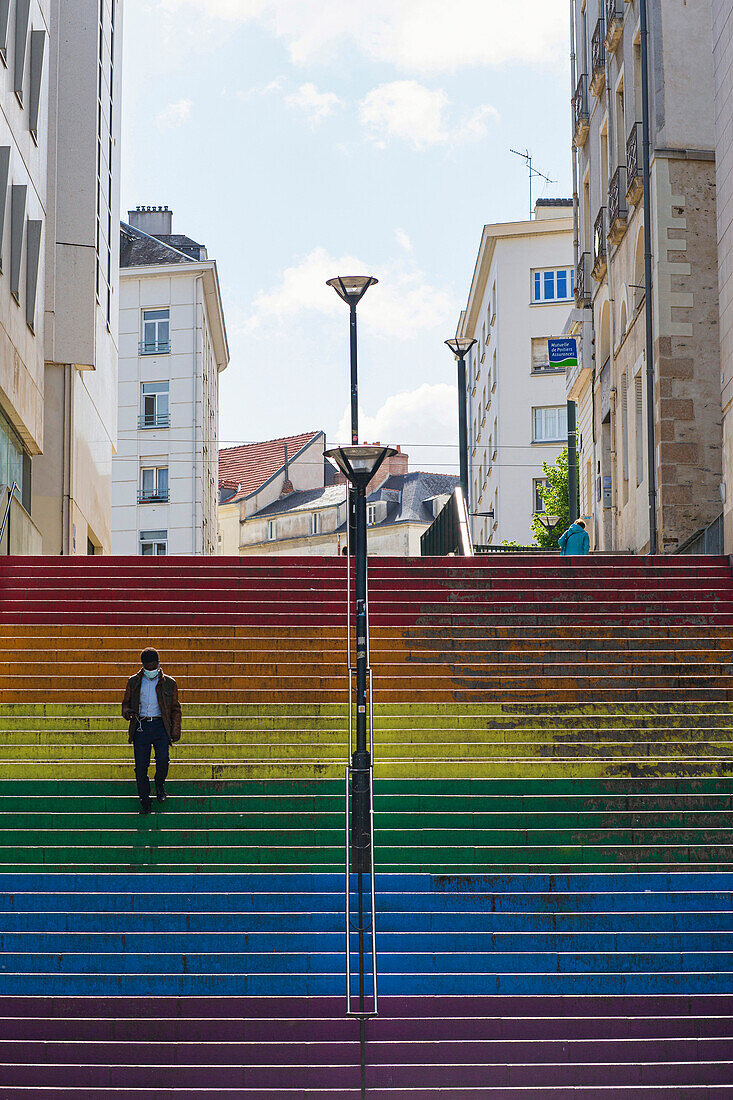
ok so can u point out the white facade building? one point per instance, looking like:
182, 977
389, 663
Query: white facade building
173, 345
59, 180
521, 287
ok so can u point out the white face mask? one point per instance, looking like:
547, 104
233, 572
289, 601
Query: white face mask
151, 673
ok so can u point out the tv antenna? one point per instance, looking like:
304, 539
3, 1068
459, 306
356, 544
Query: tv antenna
527, 158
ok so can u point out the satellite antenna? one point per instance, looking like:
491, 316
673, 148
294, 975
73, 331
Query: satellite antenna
527, 158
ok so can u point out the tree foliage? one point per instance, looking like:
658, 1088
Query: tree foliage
555, 499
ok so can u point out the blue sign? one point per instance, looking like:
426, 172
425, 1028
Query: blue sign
563, 353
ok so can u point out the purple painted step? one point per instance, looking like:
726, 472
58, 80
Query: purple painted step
681, 1092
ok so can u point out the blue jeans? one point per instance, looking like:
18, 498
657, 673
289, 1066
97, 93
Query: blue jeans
150, 735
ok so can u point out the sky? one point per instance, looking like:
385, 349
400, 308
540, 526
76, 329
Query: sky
303, 139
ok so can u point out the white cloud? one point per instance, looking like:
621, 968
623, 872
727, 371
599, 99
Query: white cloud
423, 421
408, 111
317, 105
261, 90
413, 35
175, 114
402, 305
403, 240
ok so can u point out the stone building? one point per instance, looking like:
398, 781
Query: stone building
516, 414
609, 383
281, 497
173, 346
723, 65
59, 197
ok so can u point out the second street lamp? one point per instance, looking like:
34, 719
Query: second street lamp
460, 346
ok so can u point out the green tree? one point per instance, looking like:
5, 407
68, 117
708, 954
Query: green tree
555, 499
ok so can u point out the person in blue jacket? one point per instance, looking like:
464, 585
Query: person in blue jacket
575, 540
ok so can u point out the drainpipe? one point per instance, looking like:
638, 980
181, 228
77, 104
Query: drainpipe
194, 426
646, 175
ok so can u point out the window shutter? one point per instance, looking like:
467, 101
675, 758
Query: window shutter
18, 194
639, 433
4, 21
33, 251
540, 354
38, 48
4, 174
22, 14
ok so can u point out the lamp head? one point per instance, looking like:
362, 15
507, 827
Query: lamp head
460, 345
359, 464
352, 288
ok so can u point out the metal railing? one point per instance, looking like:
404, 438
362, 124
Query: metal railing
633, 157
599, 236
617, 208
580, 103
12, 491
707, 540
153, 496
582, 281
598, 49
614, 16
450, 531
154, 347
154, 420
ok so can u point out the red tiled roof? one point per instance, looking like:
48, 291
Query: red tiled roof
252, 464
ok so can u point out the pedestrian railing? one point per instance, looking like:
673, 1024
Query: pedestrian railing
450, 531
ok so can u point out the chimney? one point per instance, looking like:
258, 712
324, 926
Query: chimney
156, 221
395, 465
287, 488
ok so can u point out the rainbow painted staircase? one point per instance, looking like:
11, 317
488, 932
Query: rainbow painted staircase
554, 805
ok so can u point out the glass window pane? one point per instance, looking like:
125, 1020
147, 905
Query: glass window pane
146, 549
163, 480
537, 287
147, 480
562, 421
549, 286
163, 404
562, 284
163, 332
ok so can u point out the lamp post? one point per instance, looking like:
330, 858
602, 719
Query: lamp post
351, 289
359, 465
460, 346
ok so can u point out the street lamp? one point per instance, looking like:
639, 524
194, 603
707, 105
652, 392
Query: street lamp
359, 465
351, 289
460, 346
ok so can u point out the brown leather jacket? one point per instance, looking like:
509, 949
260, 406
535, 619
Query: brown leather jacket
166, 689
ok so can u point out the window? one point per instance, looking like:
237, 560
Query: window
156, 338
315, 525
153, 485
371, 514
541, 357
271, 530
154, 409
553, 285
538, 483
153, 543
550, 425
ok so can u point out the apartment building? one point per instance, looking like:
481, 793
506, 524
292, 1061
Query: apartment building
609, 384
517, 412
723, 69
59, 180
173, 345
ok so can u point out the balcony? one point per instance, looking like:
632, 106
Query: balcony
618, 211
600, 251
614, 23
154, 420
582, 282
598, 58
581, 117
634, 176
153, 496
154, 347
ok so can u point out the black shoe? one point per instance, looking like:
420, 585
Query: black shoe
160, 794
145, 807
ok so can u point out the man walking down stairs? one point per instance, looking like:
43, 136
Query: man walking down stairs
553, 805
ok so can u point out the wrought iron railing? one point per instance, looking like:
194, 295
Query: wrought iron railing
599, 236
617, 208
633, 156
154, 420
582, 280
598, 48
450, 531
153, 496
580, 103
614, 15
